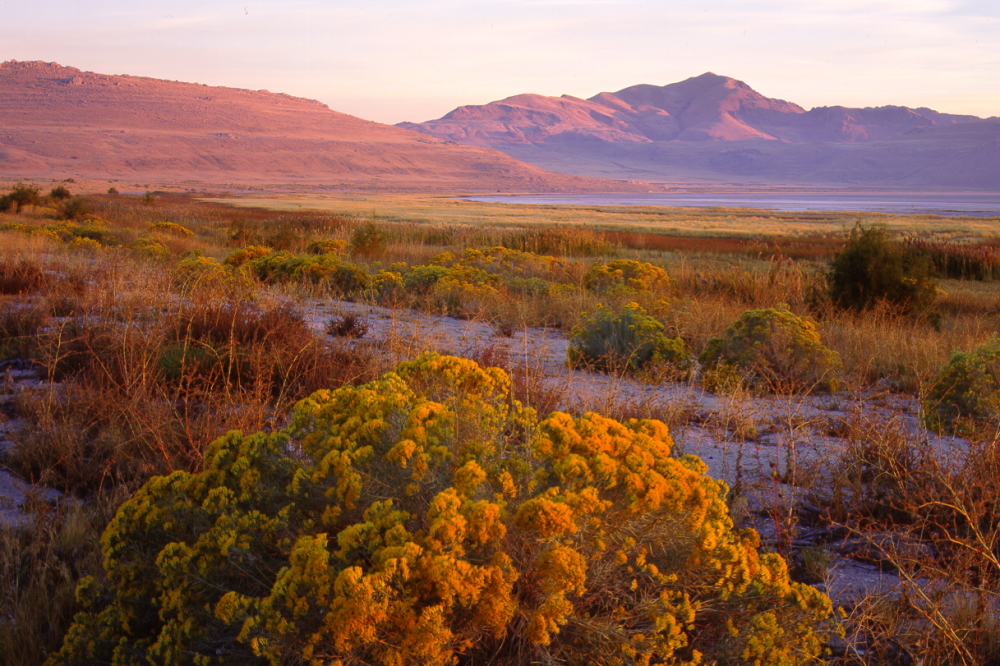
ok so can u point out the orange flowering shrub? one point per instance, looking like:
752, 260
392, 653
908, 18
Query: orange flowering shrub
426, 518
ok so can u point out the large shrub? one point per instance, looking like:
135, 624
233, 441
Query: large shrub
631, 340
871, 267
964, 398
772, 350
426, 518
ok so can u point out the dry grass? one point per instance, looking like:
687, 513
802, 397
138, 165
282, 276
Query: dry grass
717, 222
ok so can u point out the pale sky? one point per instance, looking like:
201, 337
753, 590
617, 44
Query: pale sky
395, 60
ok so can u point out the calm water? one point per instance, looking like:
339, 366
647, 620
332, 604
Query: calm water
932, 203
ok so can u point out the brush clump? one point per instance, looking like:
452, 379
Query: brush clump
964, 398
629, 341
773, 350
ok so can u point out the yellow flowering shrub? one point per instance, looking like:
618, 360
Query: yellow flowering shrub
427, 518
626, 275
171, 229
196, 271
241, 256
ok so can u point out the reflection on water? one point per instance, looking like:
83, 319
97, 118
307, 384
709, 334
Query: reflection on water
930, 203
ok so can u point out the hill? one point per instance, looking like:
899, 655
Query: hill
59, 121
715, 129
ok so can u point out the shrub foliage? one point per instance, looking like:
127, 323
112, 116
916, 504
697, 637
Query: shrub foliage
630, 341
773, 350
427, 518
964, 398
871, 267
626, 274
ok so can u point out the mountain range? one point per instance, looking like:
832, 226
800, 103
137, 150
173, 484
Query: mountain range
59, 121
707, 131
716, 129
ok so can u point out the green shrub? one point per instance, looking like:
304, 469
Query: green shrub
74, 209
59, 193
426, 518
93, 228
627, 274
772, 350
368, 241
148, 247
871, 267
195, 272
421, 279
964, 398
527, 286
342, 277
630, 341
21, 195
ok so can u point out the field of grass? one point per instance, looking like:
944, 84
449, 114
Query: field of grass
698, 222
158, 323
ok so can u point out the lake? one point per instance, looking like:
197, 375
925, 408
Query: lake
950, 204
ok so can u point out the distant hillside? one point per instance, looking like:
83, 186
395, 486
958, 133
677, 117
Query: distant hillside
716, 129
58, 121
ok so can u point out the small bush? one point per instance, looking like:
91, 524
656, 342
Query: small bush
342, 277
368, 241
21, 195
171, 229
75, 209
148, 247
630, 341
421, 279
327, 246
243, 255
59, 193
871, 267
627, 274
84, 245
94, 229
347, 326
284, 239
964, 398
773, 350
194, 272
425, 518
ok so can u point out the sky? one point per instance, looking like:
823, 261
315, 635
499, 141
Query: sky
399, 60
